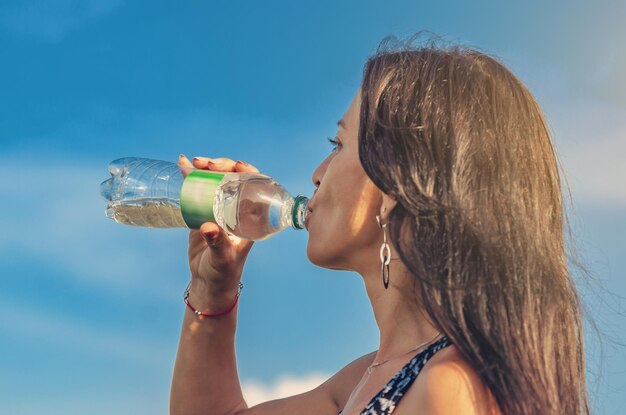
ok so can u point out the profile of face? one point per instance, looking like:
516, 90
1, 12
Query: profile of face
343, 232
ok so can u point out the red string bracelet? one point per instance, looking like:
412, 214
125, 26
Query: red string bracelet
221, 313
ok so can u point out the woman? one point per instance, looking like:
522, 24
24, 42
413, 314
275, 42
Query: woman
443, 193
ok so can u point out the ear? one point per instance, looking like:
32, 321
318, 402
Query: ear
387, 205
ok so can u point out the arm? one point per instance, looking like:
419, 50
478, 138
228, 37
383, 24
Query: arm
205, 379
326, 399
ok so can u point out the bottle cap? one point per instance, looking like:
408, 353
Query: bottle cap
299, 211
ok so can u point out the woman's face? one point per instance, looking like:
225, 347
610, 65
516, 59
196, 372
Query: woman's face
343, 228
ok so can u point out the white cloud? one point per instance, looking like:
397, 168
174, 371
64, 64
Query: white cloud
52, 20
589, 130
53, 213
51, 209
46, 327
256, 392
591, 143
140, 400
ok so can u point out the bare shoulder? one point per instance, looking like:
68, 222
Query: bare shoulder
327, 398
341, 385
448, 385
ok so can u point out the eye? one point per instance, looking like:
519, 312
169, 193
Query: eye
336, 143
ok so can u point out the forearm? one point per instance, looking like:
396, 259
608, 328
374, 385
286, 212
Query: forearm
205, 379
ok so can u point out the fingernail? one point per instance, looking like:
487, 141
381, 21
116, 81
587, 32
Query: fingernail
181, 156
211, 236
243, 163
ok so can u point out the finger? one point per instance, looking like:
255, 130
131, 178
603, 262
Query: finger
242, 166
215, 237
216, 164
185, 165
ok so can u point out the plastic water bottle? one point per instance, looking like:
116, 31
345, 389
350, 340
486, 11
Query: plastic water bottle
156, 194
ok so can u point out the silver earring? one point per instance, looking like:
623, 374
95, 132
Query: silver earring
385, 253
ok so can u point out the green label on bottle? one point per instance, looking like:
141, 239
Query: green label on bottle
197, 195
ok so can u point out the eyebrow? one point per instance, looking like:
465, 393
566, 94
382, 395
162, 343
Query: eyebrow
341, 123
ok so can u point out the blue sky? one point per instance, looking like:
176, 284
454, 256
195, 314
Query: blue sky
90, 310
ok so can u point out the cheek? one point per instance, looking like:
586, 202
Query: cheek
361, 205
345, 226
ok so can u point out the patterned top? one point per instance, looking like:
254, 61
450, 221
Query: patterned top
384, 403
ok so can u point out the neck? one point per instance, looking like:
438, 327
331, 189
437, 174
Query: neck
401, 321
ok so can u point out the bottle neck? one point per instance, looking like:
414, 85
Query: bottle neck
299, 212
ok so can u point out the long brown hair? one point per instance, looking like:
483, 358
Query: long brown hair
463, 146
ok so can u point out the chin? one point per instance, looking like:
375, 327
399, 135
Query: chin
314, 254
324, 256
318, 253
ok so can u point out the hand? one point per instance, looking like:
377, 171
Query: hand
216, 258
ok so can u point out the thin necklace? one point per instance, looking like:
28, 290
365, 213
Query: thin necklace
373, 365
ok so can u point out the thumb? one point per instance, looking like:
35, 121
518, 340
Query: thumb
213, 234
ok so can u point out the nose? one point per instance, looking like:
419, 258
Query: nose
319, 172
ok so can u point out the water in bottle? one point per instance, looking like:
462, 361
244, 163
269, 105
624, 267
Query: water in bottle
160, 194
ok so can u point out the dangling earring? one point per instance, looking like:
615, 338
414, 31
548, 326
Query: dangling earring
385, 253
